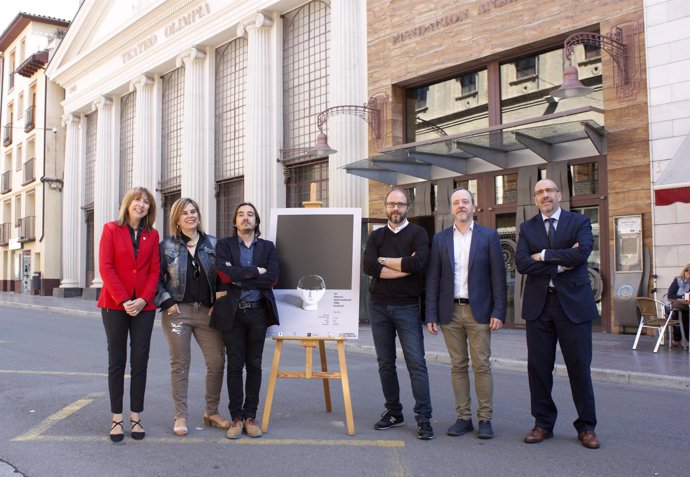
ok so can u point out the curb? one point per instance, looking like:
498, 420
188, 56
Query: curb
504, 364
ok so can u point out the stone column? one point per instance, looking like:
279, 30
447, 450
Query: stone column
105, 198
71, 213
196, 161
347, 82
259, 152
144, 173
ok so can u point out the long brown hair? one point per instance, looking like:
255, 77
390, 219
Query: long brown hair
136, 193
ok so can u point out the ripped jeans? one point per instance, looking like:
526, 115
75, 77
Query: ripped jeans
193, 319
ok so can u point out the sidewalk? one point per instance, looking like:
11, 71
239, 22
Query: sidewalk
614, 359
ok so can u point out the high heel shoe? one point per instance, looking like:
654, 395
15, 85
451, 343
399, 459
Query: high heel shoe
135, 434
116, 437
180, 426
216, 421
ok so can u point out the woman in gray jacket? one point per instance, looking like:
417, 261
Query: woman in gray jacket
186, 292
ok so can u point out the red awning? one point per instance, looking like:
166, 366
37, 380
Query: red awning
673, 184
672, 195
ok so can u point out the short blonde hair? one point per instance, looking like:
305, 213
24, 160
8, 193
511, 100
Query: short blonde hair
130, 196
176, 212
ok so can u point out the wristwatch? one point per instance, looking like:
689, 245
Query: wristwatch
382, 260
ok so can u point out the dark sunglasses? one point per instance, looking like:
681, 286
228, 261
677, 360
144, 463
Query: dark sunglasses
197, 269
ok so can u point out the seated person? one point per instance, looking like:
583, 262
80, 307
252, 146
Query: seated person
676, 291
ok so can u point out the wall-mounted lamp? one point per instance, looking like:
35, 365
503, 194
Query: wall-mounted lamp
373, 112
620, 46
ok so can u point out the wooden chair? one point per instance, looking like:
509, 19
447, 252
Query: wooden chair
654, 316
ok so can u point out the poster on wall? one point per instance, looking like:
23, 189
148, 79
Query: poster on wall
319, 257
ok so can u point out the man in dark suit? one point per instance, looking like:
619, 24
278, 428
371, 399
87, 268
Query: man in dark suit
558, 305
248, 269
466, 294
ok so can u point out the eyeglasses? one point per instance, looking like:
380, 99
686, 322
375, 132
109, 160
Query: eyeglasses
399, 205
197, 269
549, 190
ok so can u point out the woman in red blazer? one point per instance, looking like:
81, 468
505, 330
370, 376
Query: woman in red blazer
129, 265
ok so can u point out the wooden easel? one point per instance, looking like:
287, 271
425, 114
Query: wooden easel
309, 343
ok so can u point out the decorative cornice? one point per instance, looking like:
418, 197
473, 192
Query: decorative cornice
192, 54
257, 21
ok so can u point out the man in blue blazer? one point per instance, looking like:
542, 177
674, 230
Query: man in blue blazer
558, 306
466, 294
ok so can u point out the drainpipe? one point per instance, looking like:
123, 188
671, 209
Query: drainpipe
43, 177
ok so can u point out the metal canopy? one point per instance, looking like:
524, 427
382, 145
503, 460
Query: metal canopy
483, 151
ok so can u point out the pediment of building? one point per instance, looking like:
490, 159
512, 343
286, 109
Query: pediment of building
103, 28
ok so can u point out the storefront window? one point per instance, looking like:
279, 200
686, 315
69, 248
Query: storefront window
448, 107
584, 179
505, 189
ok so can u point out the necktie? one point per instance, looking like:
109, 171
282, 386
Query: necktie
551, 224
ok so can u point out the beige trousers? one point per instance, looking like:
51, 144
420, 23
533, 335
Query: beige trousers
461, 331
193, 319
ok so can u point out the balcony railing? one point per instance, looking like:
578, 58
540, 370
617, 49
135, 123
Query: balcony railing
7, 138
6, 182
27, 229
4, 234
29, 171
29, 122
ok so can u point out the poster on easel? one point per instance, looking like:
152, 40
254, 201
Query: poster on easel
319, 258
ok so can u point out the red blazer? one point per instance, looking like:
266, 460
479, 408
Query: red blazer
123, 275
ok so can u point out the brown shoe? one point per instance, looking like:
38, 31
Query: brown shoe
537, 435
235, 429
216, 421
251, 428
589, 439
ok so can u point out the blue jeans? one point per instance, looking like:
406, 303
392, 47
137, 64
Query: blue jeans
386, 322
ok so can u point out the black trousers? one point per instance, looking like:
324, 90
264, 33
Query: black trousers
118, 327
244, 346
575, 340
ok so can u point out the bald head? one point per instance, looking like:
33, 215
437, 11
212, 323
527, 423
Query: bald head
547, 197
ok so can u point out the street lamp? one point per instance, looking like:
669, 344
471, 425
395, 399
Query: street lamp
615, 44
373, 112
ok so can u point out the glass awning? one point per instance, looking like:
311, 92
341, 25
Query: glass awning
473, 153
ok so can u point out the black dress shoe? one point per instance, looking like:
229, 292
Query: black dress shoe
460, 427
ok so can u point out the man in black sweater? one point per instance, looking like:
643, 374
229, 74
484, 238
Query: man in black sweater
395, 258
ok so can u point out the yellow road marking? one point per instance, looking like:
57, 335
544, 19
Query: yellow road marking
55, 373
201, 440
50, 421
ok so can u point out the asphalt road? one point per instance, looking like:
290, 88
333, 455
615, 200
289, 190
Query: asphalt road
55, 417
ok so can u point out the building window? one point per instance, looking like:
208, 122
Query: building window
172, 113
468, 84
300, 180
90, 162
127, 115
231, 83
446, 107
526, 67
166, 205
592, 52
230, 195
305, 73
